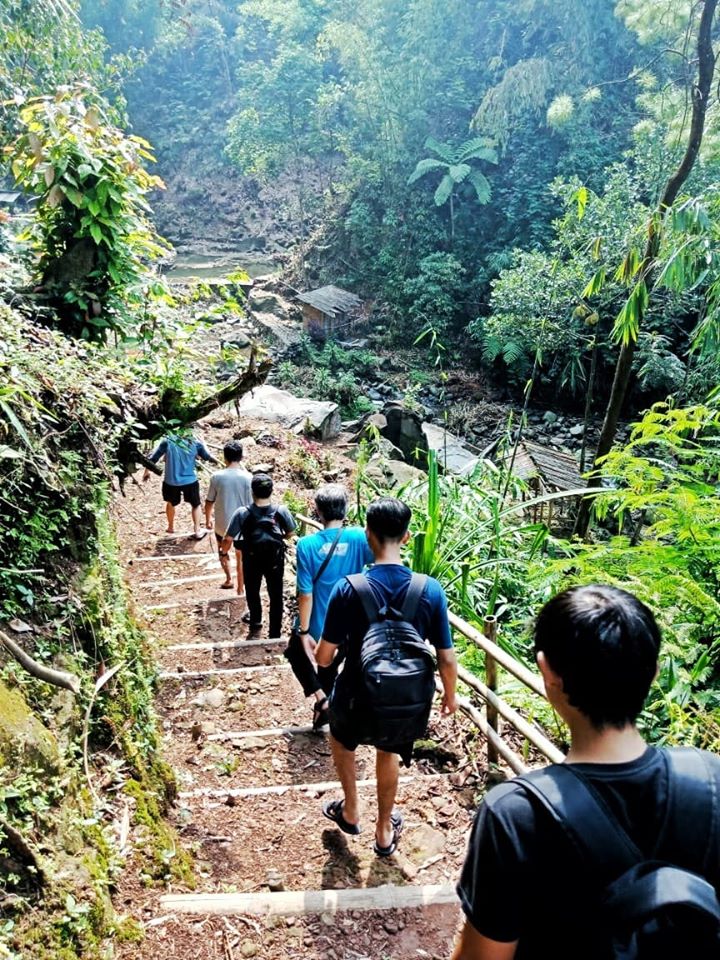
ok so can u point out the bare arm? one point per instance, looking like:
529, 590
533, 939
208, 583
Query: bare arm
472, 945
305, 606
447, 668
325, 653
226, 545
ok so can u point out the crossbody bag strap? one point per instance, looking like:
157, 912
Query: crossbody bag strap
585, 818
359, 583
328, 557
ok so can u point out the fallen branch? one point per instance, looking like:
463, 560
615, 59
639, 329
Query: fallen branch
23, 849
58, 678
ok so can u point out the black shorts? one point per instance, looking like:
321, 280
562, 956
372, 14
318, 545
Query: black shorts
346, 734
189, 492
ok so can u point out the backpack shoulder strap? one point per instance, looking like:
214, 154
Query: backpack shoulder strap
415, 590
359, 583
691, 820
585, 819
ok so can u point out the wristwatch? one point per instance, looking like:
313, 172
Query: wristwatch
304, 633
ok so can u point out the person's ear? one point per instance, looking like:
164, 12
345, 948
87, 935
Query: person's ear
405, 538
552, 680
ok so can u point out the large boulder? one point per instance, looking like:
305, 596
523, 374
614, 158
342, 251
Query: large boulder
404, 430
452, 454
316, 418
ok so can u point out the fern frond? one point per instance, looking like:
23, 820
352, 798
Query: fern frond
477, 149
443, 150
483, 190
459, 172
425, 166
445, 188
512, 351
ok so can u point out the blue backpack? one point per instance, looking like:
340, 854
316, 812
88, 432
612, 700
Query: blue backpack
648, 908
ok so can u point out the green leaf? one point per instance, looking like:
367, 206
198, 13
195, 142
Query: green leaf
627, 324
444, 190
443, 150
426, 166
459, 172
96, 233
596, 284
581, 198
483, 190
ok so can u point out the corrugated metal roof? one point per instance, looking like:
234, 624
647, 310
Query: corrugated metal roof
331, 300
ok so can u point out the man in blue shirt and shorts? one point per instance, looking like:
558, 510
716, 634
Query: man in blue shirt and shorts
346, 624
180, 481
323, 558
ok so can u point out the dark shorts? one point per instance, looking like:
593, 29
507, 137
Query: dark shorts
346, 732
190, 493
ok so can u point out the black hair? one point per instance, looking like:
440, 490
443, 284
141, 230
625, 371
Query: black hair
262, 486
604, 643
388, 518
233, 451
331, 501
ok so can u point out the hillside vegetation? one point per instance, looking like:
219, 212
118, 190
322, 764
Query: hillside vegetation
525, 193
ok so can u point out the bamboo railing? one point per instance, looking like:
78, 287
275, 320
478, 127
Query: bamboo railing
495, 707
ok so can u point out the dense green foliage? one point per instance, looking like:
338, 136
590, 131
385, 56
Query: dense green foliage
90, 233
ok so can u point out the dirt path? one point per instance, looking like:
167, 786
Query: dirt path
250, 789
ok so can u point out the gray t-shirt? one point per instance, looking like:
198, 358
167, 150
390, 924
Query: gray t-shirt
229, 490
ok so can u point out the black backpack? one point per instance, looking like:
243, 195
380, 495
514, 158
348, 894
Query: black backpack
647, 909
261, 533
397, 669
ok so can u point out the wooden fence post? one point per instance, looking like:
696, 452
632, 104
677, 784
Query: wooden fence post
490, 631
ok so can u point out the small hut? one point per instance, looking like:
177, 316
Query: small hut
329, 311
545, 470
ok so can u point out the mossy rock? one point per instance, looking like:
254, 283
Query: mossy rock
23, 738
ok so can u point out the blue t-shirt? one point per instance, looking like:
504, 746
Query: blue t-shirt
352, 554
180, 454
346, 623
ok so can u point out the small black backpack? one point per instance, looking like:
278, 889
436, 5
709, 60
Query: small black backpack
261, 533
653, 908
397, 669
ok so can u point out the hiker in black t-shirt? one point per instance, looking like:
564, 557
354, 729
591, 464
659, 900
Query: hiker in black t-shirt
260, 531
539, 872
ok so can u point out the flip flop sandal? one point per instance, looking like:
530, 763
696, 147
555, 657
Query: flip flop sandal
321, 714
226, 586
199, 536
333, 810
397, 822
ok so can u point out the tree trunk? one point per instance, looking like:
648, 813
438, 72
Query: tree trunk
623, 368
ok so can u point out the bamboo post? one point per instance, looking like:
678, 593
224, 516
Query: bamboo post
490, 631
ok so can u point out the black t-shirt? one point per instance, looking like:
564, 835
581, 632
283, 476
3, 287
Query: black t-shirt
523, 881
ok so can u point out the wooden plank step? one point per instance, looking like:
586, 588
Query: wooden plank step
280, 789
304, 902
192, 602
226, 644
270, 732
154, 558
230, 672
161, 584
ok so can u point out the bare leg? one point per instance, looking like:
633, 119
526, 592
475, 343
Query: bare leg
225, 564
196, 518
240, 574
344, 761
387, 766
170, 514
